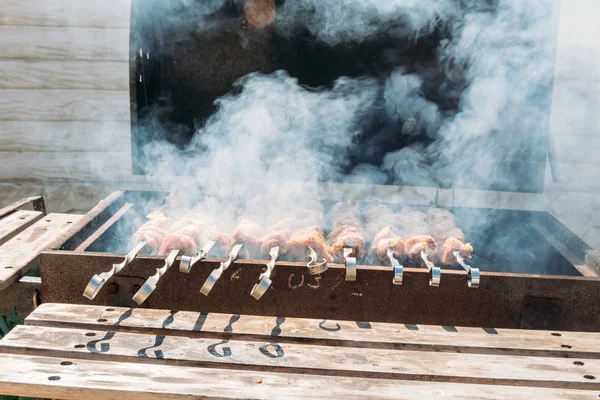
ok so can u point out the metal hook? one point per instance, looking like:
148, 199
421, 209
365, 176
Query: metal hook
93, 287
315, 268
216, 274
188, 262
150, 284
261, 287
472, 273
398, 269
350, 262
435, 273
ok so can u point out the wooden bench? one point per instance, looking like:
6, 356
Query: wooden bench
83, 352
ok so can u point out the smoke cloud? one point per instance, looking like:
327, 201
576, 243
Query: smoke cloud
462, 121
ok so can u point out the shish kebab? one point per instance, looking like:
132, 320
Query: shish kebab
293, 237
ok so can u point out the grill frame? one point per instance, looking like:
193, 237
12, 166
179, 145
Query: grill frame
504, 300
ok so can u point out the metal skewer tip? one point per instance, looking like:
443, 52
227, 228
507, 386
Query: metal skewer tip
315, 268
150, 285
435, 273
261, 287
97, 282
188, 262
398, 268
473, 275
216, 274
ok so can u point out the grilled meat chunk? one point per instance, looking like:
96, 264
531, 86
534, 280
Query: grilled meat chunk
387, 239
303, 238
451, 245
346, 236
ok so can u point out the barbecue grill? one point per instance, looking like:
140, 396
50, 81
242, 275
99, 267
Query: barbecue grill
532, 270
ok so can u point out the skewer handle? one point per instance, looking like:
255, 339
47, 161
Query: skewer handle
187, 262
97, 282
435, 273
350, 262
315, 268
265, 278
473, 275
398, 268
216, 274
150, 285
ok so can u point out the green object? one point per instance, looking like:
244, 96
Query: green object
7, 322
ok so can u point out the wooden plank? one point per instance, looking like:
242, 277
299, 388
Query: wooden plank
60, 13
37, 203
92, 166
20, 296
331, 333
63, 105
41, 43
75, 379
105, 226
51, 74
302, 358
15, 223
18, 254
60, 136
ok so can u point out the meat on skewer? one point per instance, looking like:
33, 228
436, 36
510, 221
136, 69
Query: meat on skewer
303, 238
344, 219
450, 246
346, 236
416, 244
387, 239
250, 233
445, 231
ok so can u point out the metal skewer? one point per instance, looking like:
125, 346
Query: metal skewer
188, 262
98, 280
216, 274
350, 262
398, 269
150, 284
315, 268
473, 273
435, 273
261, 287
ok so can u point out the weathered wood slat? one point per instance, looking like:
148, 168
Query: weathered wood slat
17, 255
50, 74
333, 333
41, 43
64, 105
71, 136
86, 379
15, 223
104, 14
92, 166
302, 358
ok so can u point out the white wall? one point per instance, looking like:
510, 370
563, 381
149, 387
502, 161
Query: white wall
64, 110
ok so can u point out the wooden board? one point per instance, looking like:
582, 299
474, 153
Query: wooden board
90, 166
51, 74
15, 223
73, 379
60, 13
233, 356
63, 105
42, 43
268, 355
17, 255
61, 137
327, 333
